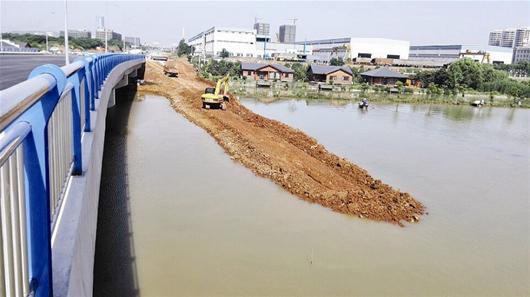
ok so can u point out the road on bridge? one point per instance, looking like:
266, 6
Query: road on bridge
16, 68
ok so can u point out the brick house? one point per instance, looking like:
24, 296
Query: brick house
330, 74
272, 72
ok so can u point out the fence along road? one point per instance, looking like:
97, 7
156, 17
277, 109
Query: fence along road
42, 121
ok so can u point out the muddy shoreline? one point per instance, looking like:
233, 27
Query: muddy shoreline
287, 156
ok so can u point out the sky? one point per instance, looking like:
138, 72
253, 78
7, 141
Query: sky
420, 22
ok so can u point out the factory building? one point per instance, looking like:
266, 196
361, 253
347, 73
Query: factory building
238, 42
357, 49
450, 53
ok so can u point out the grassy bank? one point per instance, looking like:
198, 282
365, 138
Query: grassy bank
307, 91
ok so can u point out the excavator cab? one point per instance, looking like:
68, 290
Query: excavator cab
216, 97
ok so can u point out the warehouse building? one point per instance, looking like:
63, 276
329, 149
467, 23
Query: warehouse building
450, 53
358, 48
238, 42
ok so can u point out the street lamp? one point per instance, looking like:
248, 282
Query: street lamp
66, 54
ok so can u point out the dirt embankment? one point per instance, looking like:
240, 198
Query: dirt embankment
283, 154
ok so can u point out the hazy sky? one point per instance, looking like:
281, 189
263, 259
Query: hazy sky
421, 22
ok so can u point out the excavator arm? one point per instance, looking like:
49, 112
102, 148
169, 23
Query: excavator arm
222, 84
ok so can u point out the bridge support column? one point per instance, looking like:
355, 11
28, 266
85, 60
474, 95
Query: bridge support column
112, 98
122, 83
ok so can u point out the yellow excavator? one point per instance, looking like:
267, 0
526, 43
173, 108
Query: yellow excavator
213, 97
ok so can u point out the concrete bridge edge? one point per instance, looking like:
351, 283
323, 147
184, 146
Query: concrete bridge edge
74, 234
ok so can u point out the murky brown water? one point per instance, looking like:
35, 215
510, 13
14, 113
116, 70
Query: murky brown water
203, 225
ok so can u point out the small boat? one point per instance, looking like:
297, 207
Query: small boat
363, 104
478, 103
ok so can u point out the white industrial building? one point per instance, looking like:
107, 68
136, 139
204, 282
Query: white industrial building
238, 42
452, 52
274, 49
355, 48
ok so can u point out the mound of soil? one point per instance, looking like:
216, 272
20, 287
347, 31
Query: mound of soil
289, 157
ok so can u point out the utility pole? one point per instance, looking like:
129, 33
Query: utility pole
66, 51
47, 47
106, 41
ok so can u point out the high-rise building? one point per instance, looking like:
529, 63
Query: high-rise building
522, 37
77, 34
508, 37
100, 34
521, 54
495, 38
101, 22
262, 28
132, 41
287, 34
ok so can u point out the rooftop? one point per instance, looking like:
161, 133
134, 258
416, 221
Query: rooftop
383, 72
324, 69
256, 66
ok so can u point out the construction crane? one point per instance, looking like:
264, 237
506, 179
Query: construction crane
485, 55
213, 97
294, 20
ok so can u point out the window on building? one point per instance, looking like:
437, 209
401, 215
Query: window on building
345, 78
332, 77
364, 55
392, 56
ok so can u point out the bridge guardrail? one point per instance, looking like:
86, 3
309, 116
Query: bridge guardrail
41, 124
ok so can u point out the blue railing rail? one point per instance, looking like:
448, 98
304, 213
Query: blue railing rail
41, 124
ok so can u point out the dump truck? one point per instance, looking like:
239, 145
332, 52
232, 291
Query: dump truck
170, 69
213, 97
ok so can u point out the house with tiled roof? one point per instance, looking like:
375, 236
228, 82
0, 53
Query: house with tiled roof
270, 72
341, 75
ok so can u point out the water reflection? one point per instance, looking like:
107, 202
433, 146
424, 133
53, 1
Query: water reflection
115, 271
204, 225
458, 113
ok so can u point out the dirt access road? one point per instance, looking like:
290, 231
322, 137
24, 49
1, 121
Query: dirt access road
283, 154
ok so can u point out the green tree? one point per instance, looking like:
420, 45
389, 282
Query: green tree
336, 62
224, 53
183, 48
300, 71
399, 86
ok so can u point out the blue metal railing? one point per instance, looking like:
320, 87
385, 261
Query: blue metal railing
41, 124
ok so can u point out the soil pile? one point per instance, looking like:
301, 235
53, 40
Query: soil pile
283, 154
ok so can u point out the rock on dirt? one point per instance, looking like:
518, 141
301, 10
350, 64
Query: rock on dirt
289, 157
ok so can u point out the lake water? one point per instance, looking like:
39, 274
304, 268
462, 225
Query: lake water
199, 224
